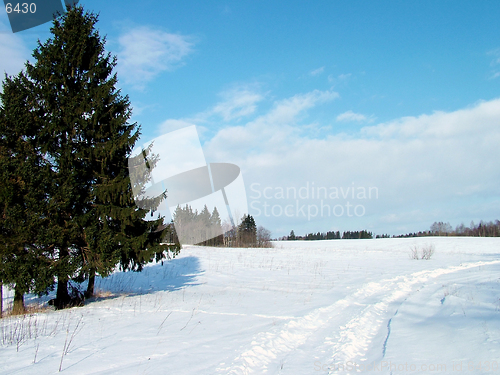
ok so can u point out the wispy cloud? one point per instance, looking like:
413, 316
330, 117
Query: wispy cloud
340, 78
146, 52
243, 102
496, 53
350, 116
268, 129
318, 71
237, 102
495, 63
285, 111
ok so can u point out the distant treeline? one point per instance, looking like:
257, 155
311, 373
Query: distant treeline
329, 236
483, 229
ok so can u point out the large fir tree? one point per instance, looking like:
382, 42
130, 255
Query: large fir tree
84, 134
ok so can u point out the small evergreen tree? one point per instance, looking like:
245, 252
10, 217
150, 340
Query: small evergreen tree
203, 225
216, 225
247, 231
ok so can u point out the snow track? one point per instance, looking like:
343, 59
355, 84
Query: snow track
371, 307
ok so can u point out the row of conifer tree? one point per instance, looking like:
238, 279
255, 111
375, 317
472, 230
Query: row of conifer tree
482, 229
330, 235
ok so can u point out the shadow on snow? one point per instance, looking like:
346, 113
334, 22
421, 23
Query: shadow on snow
168, 276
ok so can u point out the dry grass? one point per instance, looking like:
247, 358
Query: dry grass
100, 293
17, 329
33, 308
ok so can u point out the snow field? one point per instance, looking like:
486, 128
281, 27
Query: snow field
308, 307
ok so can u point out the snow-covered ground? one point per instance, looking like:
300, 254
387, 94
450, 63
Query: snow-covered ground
312, 307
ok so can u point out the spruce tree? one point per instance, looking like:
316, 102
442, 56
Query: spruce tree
216, 225
203, 225
86, 136
247, 231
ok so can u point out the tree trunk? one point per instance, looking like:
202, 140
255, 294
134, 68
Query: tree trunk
62, 296
90, 288
1, 300
18, 307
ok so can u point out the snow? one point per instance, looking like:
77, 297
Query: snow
302, 307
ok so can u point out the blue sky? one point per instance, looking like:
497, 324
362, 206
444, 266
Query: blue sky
401, 96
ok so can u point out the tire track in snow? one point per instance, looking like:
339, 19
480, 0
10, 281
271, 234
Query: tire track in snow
266, 346
352, 339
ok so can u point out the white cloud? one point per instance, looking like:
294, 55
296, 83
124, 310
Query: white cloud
343, 77
350, 116
13, 52
467, 122
285, 111
238, 102
266, 130
318, 71
435, 165
145, 52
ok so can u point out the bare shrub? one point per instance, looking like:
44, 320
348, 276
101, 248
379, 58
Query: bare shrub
263, 237
426, 252
414, 252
